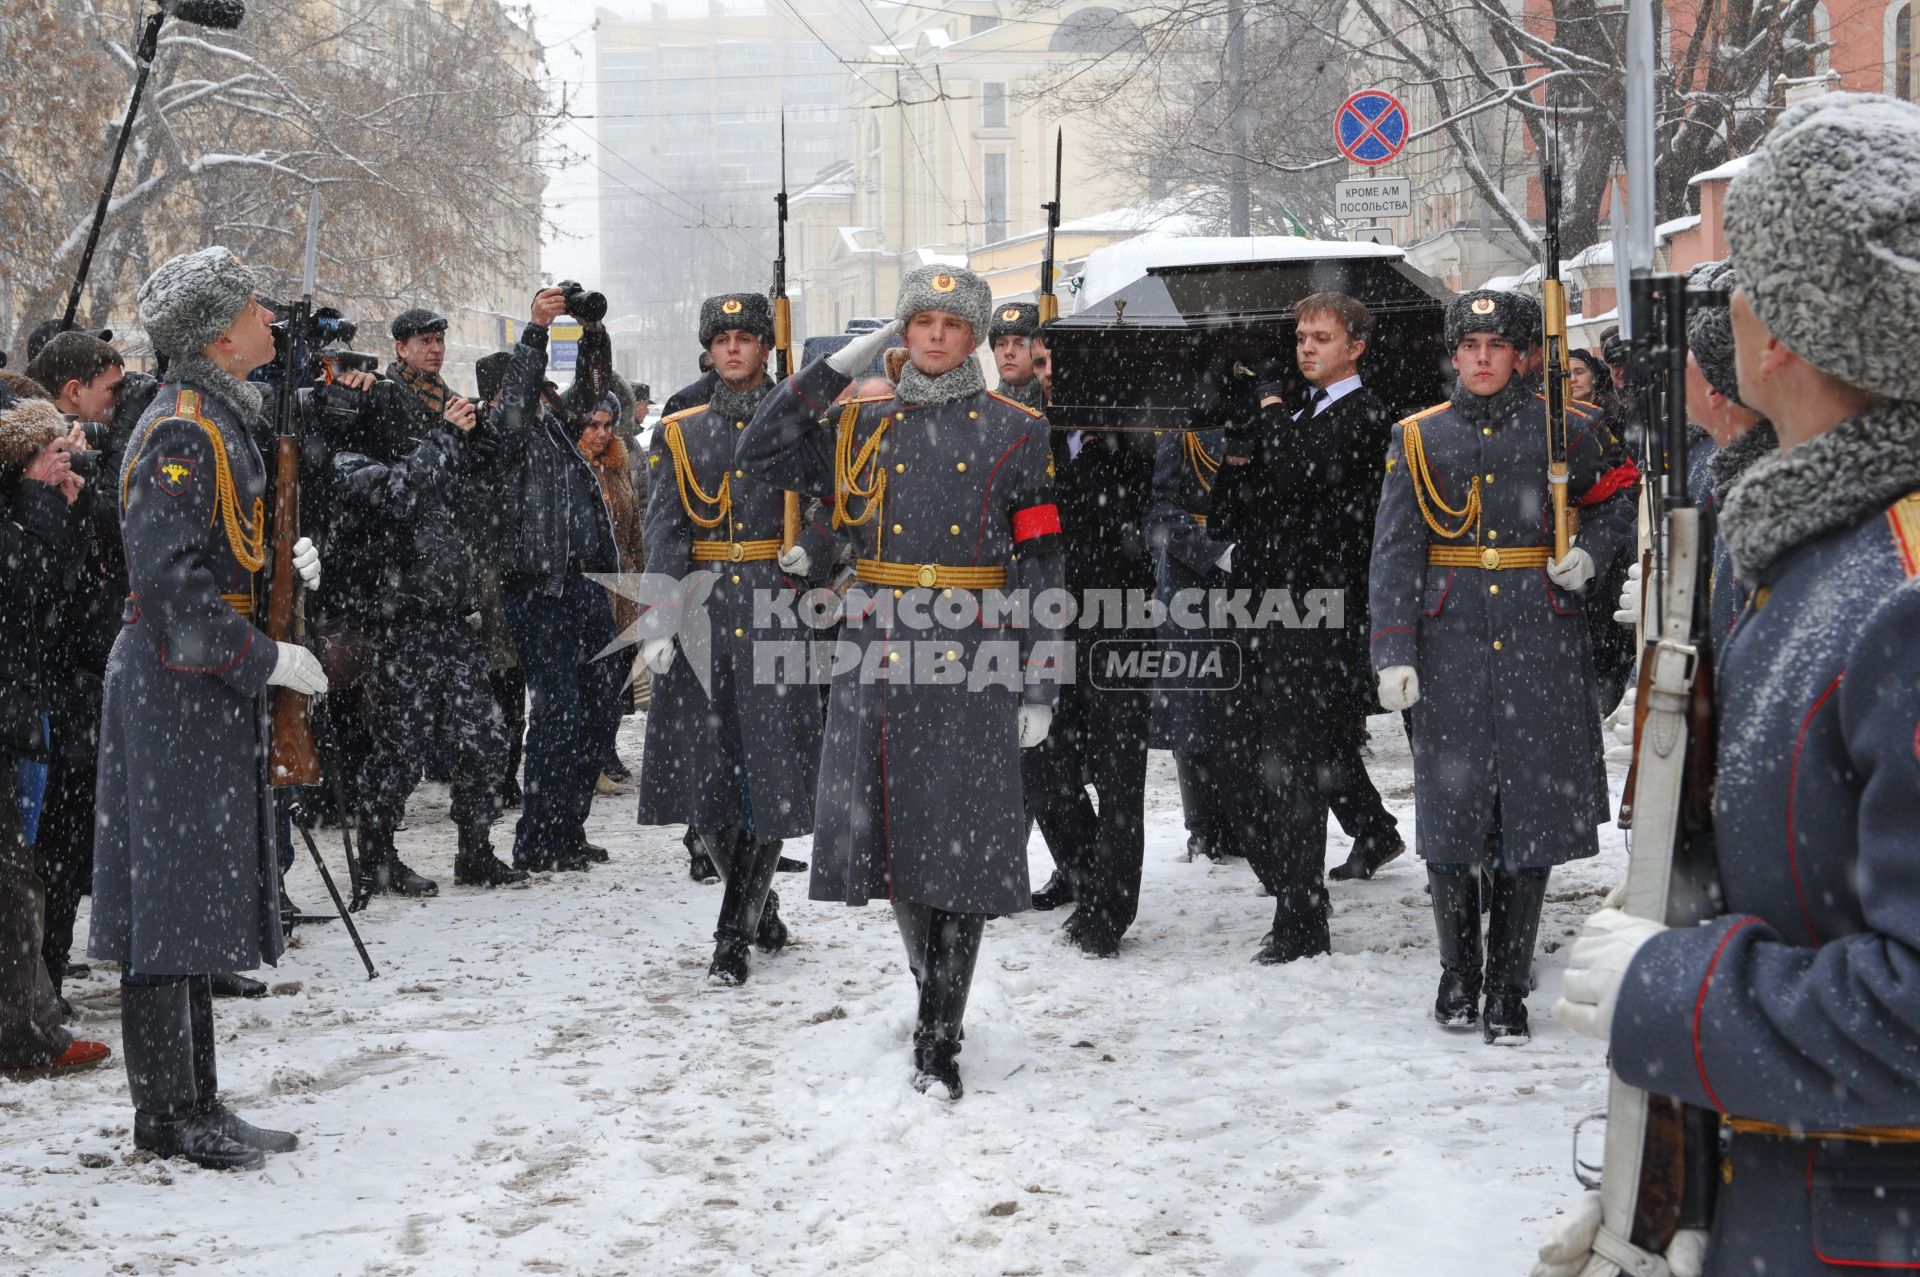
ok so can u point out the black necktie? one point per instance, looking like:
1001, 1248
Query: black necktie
1318, 397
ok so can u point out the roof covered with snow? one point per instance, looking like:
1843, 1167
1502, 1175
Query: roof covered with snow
1112, 268
1723, 173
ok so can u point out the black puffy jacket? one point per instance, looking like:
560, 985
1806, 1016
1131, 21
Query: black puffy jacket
38, 546
540, 466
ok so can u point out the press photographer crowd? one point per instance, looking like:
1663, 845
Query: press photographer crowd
254, 599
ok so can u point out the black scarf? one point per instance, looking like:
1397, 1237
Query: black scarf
1496, 409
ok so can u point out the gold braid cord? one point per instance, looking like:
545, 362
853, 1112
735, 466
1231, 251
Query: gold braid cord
690, 490
1428, 497
847, 466
1205, 464
246, 538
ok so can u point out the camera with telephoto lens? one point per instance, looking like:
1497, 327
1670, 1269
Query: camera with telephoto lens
583, 304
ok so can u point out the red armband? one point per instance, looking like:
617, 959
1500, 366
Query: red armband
1618, 479
1035, 521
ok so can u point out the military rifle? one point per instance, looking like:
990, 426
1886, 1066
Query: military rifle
1553, 309
1658, 1173
783, 327
1049, 300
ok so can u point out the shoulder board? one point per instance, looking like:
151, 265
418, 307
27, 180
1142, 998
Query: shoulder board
1904, 518
1424, 413
684, 413
870, 399
1015, 403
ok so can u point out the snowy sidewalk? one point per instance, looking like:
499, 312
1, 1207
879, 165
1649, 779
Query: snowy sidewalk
542, 1082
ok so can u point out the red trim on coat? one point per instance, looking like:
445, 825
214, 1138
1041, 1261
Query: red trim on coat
1035, 521
188, 669
1618, 479
1793, 782
1395, 629
980, 535
1699, 1008
886, 808
1825, 1258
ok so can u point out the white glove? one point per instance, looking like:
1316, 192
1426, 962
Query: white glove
295, 667
1569, 1247
1623, 718
1399, 687
1629, 610
796, 560
1573, 572
657, 652
1035, 722
306, 561
853, 358
1225, 561
1596, 965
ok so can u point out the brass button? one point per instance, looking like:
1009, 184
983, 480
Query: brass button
1760, 597
1486, 430
1493, 589
1496, 645
897, 529
1492, 535
973, 416
961, 466
955, 529
893, 656
899, 467
946, 594
952, 655
739, 425
739, 474
1489, 558
736, 578
898, 593
1489, 478
739, 633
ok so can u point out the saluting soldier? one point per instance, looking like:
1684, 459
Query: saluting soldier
1482, 636
1010, 337
734, 759
946, 491
1795, 1014
186, 872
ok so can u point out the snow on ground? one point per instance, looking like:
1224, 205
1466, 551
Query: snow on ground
540, 1081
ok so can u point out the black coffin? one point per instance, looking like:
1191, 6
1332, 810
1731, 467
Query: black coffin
1148, 356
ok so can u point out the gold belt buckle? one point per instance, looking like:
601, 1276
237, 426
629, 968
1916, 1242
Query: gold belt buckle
1489, 558
737, 552
926, 576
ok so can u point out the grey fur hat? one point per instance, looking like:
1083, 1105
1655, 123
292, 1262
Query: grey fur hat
1710, 329
1824, 227
1014, 319
191, 299
751, 312
954, 289
1488, 310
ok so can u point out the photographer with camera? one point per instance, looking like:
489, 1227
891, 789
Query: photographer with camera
553, 528
402, 579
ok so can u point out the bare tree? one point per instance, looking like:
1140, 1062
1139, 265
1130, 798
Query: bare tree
1492, 80
417, 126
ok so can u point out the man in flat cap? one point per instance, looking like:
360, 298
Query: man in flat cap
945, 490
731, 756
1482, 635
1010, 335
186, 871
1794, 1015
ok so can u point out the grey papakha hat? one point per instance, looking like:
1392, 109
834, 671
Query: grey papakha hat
954, 289
1710, 329
191, 299
1488, 310
1824, 228
1014, 319
748, 312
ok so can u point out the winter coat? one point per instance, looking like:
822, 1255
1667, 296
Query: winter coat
397, 549
41, 537
920, 793
1508, 714
744, 752
1800, 1008
626, 512
185, 864
1184, 557
539, 467
693, 393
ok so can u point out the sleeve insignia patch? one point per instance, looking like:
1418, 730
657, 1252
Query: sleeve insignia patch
174, 474
1049, 465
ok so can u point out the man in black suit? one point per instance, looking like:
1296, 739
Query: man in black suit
1295, 504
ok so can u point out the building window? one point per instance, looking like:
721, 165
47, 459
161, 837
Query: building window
994, 194
1901, 54
980, 23
993, 106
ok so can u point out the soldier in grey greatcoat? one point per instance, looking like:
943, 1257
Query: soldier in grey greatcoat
1186, 558
1795, 1015
946, 492
1484, 639
186, 876
1010, 338
732, 757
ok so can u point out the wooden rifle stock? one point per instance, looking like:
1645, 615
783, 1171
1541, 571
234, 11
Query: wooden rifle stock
292, 758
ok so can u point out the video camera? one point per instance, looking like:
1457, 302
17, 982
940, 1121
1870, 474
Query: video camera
318, 399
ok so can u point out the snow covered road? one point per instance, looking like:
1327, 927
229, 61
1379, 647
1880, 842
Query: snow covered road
542, 1082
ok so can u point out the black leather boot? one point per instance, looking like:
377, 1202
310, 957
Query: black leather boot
916, 924
749, 877
206, 1079
157, 1027
953, 947
1367, 856
383, 873
772, 935
1511, 932
1456, 921
475, 865
1057, 892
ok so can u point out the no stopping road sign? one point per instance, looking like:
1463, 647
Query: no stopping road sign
1370, 127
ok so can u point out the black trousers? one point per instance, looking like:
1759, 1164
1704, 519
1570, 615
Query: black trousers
418, 672
510, 693
1098, 738
1350, 791
64, 851
30, 1029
